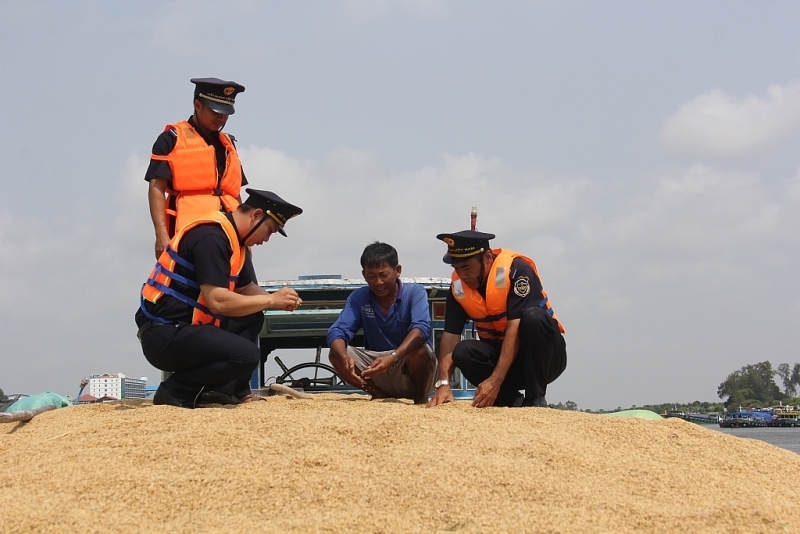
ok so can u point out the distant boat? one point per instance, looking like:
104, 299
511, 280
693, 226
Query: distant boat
790, 419
746, 419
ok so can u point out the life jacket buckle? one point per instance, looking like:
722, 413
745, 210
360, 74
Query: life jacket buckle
217, 192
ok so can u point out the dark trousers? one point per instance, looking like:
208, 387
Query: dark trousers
541, 358
205, 356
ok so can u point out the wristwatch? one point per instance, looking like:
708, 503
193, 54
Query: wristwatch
440, 383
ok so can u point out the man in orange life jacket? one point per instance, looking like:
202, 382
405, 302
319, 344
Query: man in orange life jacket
194, 167
521, 345
201, 308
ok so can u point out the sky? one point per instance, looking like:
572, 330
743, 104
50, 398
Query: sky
644, 154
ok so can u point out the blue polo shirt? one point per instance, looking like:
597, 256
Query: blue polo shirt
409, 311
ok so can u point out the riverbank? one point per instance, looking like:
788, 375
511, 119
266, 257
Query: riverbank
344, 464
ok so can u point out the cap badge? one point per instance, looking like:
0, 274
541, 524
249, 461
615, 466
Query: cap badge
228, 91
450, 242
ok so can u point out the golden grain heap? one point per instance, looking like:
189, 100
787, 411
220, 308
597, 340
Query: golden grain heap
340, 463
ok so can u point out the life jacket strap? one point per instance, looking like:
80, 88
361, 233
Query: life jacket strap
489, 331
177, 259
183, 298
491, 318
208, 192
160, 269
148, 314
543, 304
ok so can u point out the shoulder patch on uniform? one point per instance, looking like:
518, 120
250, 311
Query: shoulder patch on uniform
522, 286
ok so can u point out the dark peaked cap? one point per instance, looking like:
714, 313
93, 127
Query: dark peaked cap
464, 244
274, 206
219, 95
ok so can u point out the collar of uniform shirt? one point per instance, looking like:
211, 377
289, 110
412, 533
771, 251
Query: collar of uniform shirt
210, 137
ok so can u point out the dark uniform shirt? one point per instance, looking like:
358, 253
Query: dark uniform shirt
208, 248
526, 292
166, 142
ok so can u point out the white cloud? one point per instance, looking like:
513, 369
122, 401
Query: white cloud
70, 290
696, 214
351, 199
670, 290
720, 126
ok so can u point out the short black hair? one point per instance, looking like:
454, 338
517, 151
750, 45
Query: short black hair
377, 253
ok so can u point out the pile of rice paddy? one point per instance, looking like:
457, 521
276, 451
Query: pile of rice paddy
340, 463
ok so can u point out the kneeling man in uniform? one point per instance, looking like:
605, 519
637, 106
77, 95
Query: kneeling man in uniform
201, 308
521, 345
398, 360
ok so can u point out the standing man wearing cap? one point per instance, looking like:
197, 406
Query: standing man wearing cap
201, 308
194, 167
398, 360
521, 345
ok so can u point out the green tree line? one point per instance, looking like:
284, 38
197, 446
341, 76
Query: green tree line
754, 386
692, 407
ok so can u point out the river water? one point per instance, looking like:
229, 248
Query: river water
785, 438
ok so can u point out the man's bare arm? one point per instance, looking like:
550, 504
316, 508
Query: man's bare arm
412, 342
232, 304
156, 195
252, 289
487, 391
447, 344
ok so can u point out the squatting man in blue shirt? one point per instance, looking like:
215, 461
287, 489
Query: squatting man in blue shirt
398, 360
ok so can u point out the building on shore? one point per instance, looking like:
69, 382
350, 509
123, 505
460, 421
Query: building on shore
117, 386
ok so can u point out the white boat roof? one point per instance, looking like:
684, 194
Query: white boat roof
347, 283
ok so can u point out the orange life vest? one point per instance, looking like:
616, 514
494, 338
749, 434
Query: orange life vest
158, 283
196, 186
490, 315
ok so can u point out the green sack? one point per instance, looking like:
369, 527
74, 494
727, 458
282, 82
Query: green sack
38, 401
636, 414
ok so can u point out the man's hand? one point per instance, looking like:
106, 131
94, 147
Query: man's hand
346, 369
285, 299
442, 395
378, 367
162, 240
486, 393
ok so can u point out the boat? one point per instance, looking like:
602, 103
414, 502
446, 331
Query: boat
324, 297
746, 420
786, 419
